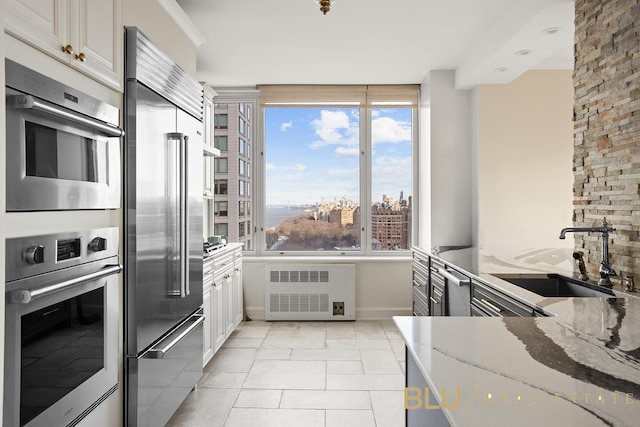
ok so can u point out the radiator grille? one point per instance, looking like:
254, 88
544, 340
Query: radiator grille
310, 292
299, 303
293, 276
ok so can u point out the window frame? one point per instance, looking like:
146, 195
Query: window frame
386, 98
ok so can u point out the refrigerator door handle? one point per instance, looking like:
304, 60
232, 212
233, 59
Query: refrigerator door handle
184, 218
176, 206
161, 350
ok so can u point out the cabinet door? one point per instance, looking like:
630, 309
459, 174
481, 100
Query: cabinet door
237, 288
207, 111
437, 301
207, 343
98, 39
85, 34
219, 331
207, 183
40, 23
228, 293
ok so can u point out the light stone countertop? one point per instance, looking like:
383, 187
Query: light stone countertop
230, 247
581, 366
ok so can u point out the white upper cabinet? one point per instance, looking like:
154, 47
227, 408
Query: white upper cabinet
85, 34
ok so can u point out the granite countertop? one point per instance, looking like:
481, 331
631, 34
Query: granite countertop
581, 366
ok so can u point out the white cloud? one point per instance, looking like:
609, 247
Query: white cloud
344, 151
390, 161
386, 129
270, 166
341, 172
335, 128
285, 126
299, 167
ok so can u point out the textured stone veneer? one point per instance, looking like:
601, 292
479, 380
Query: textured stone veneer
607, 130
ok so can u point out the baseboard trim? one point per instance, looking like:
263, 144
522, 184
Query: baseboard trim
383, 313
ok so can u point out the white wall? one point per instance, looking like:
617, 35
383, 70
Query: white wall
383, 286
155, 23
525, 155
446, 122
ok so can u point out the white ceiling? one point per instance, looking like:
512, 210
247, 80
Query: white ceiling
251, 42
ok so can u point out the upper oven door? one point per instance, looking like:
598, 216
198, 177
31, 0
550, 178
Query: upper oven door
59, 159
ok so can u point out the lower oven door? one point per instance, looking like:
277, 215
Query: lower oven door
61, 349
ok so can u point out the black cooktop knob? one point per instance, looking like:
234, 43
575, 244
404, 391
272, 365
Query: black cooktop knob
98, 244
35, 254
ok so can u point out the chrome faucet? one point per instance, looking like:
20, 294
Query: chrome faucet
605, 270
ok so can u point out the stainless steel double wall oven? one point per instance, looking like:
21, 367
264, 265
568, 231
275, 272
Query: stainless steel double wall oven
62, 300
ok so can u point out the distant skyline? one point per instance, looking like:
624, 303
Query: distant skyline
314, 153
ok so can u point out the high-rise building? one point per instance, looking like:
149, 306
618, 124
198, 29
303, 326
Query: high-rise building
391, 224
233, 136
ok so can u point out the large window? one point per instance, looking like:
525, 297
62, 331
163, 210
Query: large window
221, 186
221, 142
221, 165
338, 168
221, 208
221, 229
391, 136
220, 121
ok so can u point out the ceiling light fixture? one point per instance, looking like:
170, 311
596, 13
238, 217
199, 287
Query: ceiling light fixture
325, 5
522, 52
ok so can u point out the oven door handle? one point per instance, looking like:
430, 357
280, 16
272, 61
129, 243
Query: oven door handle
25, 296
32, 103
157, 352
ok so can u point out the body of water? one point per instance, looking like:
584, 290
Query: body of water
276, 215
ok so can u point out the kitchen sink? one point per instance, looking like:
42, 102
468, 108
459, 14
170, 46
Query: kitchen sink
555, 285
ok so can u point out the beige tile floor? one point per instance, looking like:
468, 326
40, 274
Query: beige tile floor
281, 374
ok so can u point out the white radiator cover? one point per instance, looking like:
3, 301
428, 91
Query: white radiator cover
310, 292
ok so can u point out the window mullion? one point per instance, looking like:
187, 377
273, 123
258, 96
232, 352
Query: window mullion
365, 180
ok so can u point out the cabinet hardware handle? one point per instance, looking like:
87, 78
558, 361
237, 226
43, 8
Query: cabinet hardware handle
435, 301
491, 306
81, 57
67, 49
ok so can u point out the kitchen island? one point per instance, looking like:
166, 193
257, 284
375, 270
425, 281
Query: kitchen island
580, 365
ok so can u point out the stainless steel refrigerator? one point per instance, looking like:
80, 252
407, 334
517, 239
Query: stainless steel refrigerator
163, 223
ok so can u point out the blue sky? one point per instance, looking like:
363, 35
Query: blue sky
313, 153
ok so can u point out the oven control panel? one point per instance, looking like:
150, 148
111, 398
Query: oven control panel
28, 256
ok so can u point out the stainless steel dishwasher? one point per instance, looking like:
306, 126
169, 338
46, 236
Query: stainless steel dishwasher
458, 288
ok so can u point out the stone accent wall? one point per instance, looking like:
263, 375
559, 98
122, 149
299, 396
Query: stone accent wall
607, 131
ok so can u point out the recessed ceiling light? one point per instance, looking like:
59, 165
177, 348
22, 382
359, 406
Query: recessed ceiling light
500, 69
551, 30
522, 52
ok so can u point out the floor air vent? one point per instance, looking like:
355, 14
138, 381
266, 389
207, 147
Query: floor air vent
310, 292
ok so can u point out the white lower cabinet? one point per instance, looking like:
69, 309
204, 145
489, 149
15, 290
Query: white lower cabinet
222, 298
217, 318
207, 342
237, 293
226, 278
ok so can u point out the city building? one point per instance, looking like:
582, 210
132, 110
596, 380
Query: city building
391, 224
232, 185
